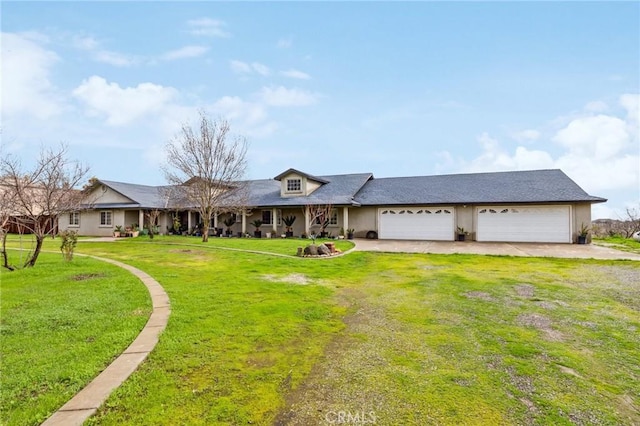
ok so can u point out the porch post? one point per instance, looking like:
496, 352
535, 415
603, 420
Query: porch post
274, 219
244, 222
188, 220
306, 220
141, 219
345, 218
215, 219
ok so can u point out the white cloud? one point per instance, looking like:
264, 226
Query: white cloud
596, 106
599, 152
208, 27
122, 105
285, 43
631, 102
525, 136
85, 42
240, 67
26, 84
251, 118
233, 107
281, 96
260, 68
115, 58
494, 158
596, 175
184, 52
99, 54
600, 137
293, 73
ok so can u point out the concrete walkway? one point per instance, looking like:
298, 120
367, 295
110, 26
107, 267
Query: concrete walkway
577, 251
87, 401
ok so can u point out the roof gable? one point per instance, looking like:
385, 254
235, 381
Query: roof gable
303, 174
140, 196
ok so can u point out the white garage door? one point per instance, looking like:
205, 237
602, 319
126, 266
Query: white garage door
416, 223
540, 224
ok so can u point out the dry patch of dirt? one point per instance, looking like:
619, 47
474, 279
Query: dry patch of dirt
568, 370
541, 323
299, 279
525, 290
546, 305
84, 277
340, 380
529, 404
480, 295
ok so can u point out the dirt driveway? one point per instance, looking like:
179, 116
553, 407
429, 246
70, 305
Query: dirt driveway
586, 251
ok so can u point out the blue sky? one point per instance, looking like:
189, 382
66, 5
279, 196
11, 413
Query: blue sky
392, 88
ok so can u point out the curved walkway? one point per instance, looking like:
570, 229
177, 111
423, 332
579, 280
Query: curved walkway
87, 401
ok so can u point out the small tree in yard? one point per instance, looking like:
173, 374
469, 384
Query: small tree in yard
38, 196
152, 218
209, 164
68, 244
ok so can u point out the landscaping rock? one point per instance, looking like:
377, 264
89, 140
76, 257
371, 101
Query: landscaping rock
324, 250
311, 250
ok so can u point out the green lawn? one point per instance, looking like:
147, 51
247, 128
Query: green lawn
61, 324
407, 339
620, 243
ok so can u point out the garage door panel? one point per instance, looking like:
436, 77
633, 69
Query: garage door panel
524, 224
416, 223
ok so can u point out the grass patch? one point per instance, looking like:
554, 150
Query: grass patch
412, 338
620, 243
61, 324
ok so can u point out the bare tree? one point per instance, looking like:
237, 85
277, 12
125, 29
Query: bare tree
631, 222
209, 164
320, 214
38, 196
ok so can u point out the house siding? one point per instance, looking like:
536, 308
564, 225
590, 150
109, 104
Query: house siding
104, 194
363, 220
581, 214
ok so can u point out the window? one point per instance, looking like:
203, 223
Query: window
294, 185
333, 220
266, 217
74, 219
105, 218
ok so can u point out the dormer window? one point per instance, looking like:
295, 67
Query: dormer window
294, 185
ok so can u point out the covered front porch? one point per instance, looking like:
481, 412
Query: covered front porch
274, 222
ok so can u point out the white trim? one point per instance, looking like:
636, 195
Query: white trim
105, 225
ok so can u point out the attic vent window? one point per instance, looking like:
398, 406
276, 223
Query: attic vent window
294, 185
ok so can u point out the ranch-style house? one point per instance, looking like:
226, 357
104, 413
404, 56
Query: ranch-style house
518, 206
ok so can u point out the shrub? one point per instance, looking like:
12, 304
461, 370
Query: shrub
68, 245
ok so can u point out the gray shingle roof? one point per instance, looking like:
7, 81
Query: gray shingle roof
150, 197
339, 190
536, 186
500, 187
